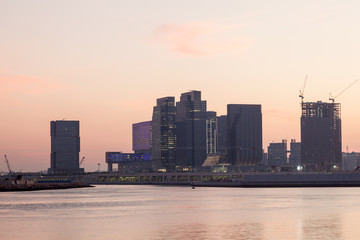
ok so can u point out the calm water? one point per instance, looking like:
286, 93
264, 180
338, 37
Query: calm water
155, 212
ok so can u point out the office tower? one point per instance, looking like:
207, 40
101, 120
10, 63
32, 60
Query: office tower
211, 137
277, 154
295, 153
164, 134
65, 147
221, 128
321, 135
141, 133
190, 130
244, 135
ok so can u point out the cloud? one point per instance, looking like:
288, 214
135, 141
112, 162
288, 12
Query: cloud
13, 84
200, 39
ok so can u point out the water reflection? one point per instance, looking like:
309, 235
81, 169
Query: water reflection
322, 228
251, 231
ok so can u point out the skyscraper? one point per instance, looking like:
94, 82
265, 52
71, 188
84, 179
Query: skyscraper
321, 135
244, 134
164, 134
65, 147
141, 133
190, 130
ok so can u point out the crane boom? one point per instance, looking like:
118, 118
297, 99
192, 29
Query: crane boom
82, 160
302, 90
331, 98
8, 165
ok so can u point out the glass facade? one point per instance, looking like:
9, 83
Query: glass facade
244, 134
141, 137
164, 134
190, 130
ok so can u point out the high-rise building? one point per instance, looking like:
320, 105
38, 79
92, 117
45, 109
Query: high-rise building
321, 135
295, 153
211, 138
164, 134
190, 130
141, 133
277, 154
221, 127
65, 147
244, 135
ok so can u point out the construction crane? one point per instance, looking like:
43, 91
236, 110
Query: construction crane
331, 98
302, 90
8, 166
82, 161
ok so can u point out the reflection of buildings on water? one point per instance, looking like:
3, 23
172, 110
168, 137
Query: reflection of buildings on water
212, 231
329, 227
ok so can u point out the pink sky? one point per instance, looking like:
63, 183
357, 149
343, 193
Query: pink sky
105, 64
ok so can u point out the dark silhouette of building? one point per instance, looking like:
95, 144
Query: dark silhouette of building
221, 128
244, 135
320, 135
65, 147
295, 153
277, 154
190, 130
164, 134
141, 133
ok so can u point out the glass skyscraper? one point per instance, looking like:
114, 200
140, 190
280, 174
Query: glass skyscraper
244, 135
190, 130
164, 134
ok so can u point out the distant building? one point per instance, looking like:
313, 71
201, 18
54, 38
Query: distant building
141, 133
351, 161
129, 162
190, 130
321, 135
221, 127
65, 147
211, 138
295, 153
244, 134
164, 134
277, 154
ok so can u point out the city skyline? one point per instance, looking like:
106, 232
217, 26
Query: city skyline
105, 65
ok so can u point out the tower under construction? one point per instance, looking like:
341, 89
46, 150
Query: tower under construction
321, 135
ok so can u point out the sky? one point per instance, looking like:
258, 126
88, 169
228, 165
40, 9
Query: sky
105, 63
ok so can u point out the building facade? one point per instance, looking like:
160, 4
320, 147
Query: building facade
295, 153
277, 154
321, 135
190, 130
211, 133
221, 129
141, 136
244, 134
65, 147
164, 134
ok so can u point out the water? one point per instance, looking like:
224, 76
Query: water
157, 212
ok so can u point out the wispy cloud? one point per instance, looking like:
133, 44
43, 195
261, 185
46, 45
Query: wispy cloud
200, 39
13, 84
